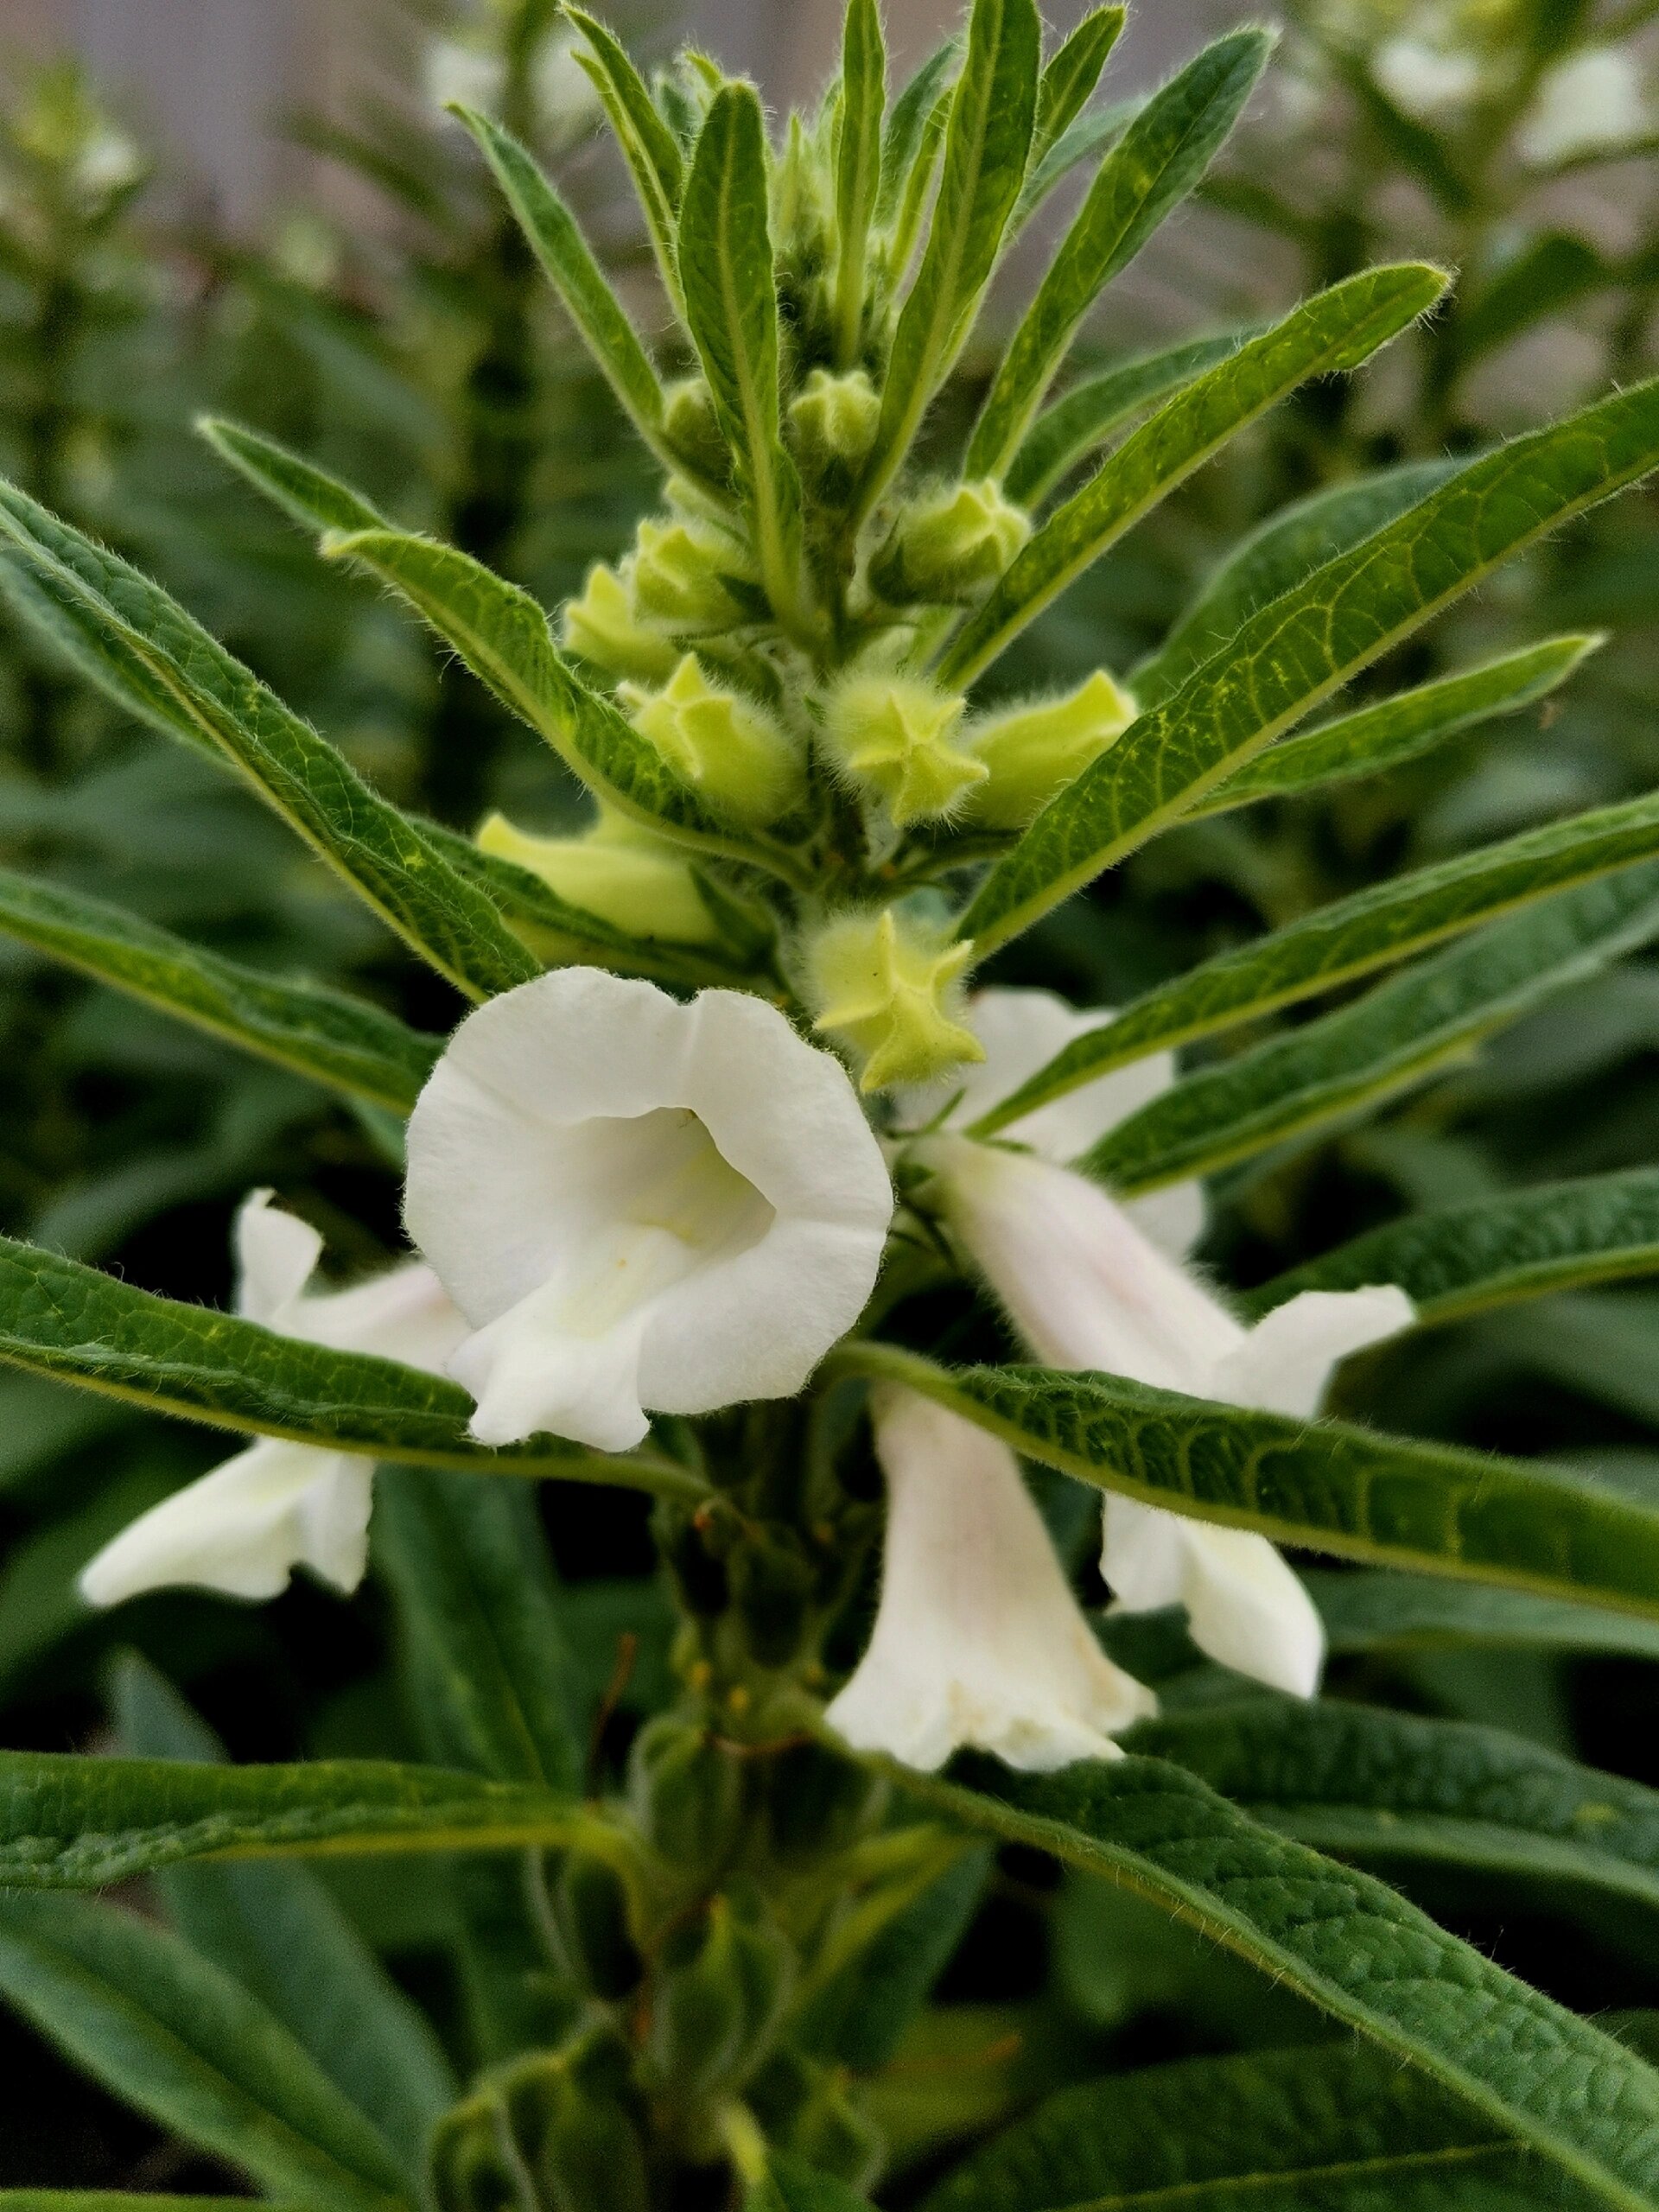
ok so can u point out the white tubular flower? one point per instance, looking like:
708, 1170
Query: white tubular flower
243, 1528
637, 1203
1087, 1289
1022, 1030
1593, 102
1426, 82
978, 1640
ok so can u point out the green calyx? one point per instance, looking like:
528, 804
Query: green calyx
950, 549
1031, 751
634, 880
894, 995
892, 737
726, 747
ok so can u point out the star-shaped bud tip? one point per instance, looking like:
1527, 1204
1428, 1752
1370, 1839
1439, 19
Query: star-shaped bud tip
895, 996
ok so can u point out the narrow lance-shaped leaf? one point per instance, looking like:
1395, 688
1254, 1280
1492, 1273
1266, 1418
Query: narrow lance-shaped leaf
1534, 2072
731, 303
503, 636
174, 2037
277, 1931
343, 1042
1334, 331
577, 278
1463, 1260
1085, 416
1351, 937
1277, 554
1328, 1485
1380, 1608
1151, 169
1318, 2127
1395, 1036
858, 166
986, 144
1375, 739
1304, 645
1070, 75
901, 142
141, 647
1396, 1787
648, 145
60, 1319
1094, 131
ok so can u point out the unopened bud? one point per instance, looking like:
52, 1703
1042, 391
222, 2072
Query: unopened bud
729, 748
686, 1791
616, 870
692, 429
894, 994
718, 1998
566, 2122
816, 1799
602, 628
950, 549
772, 1589
833, 421
1032, 751
592, 1907
684, 574
894, 735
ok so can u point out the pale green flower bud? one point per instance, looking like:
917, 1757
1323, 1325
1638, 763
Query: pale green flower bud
951, 549
565, 2122
682, 572
692, 428
895, 996
721, 742
601, 627
1031, 751
832, 421
616, 870
893, 735
719, 1995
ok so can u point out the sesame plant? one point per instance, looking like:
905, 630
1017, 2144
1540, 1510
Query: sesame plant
735, 1182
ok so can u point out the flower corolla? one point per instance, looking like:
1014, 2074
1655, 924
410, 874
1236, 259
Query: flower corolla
276, 1505
978, 1639
640, 1204
1087, 1287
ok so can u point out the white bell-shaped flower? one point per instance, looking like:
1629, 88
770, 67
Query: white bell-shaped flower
243, 1528
641, 1204
1022, 1030
978, 1640
1087, 1289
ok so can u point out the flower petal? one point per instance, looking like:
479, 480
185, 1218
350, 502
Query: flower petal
277, 1255
243, 1528
1244, 1606
978, 1639
1284, 1363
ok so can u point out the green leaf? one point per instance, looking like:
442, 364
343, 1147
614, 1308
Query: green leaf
986, 144
1382, 1609
1304, 645
648, 145
908, 127
172, 2035
1546, 274
343, 1042
1329, 1485
73, 1823
731, 304
59, 1317
787, 2185
569, 267
1350, 937
1463, 1260
117, 2200
1333, 2127
1084, 417
1400, 1033
503, 636
1277, 554
1154, 166
306, 494
482, 1642
1070, 75
858, 166
1375, 739
1533, 2072
279, 1934
1093, 132
129, 637
1395, 1787
859, 2015
1334, 331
